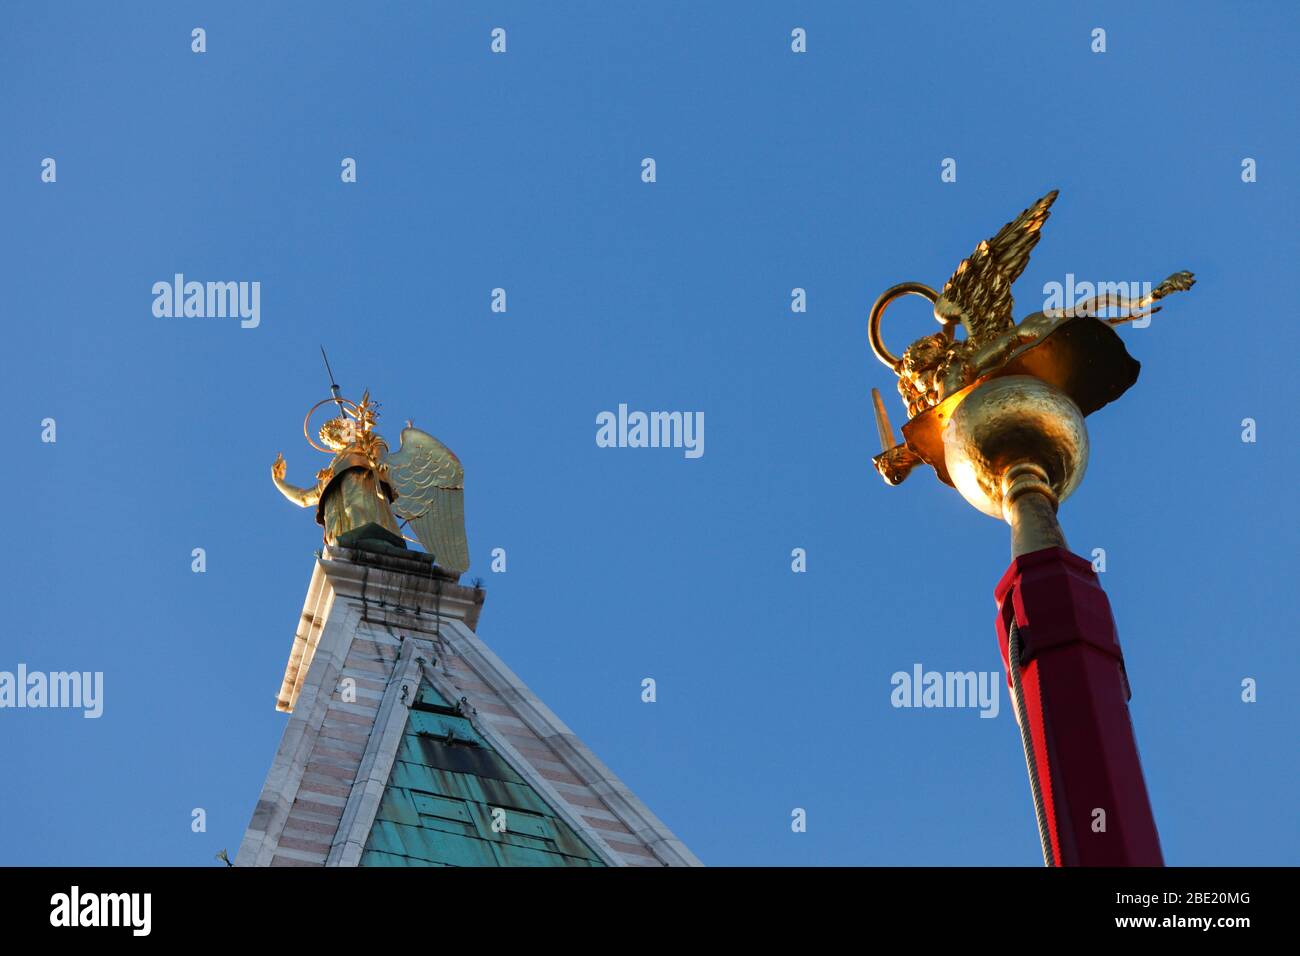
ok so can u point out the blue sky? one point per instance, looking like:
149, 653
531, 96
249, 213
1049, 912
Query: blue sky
522, 171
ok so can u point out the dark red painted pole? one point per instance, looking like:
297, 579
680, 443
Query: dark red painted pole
1071, 675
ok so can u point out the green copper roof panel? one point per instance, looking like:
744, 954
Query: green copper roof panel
444, 726
426, 696
437, 809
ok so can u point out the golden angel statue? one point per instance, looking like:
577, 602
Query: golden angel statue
1064, 346
365, 490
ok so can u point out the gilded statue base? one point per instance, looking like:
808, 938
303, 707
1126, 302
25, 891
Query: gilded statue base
373, 537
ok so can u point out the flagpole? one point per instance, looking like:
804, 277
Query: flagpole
1065, 669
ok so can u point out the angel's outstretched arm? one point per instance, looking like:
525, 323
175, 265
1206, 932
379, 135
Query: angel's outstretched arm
302, 497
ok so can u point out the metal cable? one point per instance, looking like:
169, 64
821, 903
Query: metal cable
1027, 741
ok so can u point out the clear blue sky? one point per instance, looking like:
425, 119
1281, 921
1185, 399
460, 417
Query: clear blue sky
522, 171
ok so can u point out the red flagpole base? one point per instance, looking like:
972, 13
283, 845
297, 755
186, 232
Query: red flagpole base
1076, 702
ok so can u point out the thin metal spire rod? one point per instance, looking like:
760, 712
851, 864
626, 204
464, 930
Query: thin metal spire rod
334, 389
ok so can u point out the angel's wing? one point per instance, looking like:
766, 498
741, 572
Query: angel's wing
980, 289
430, 485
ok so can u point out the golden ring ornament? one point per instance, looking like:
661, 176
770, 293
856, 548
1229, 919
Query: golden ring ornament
878, 311
342, 403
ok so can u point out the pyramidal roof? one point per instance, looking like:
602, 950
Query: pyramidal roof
410, 743
452, 800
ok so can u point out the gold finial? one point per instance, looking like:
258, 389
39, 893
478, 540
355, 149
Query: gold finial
1065, 363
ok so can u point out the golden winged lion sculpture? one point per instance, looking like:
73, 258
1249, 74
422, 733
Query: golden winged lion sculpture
365, 491
1073, 348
